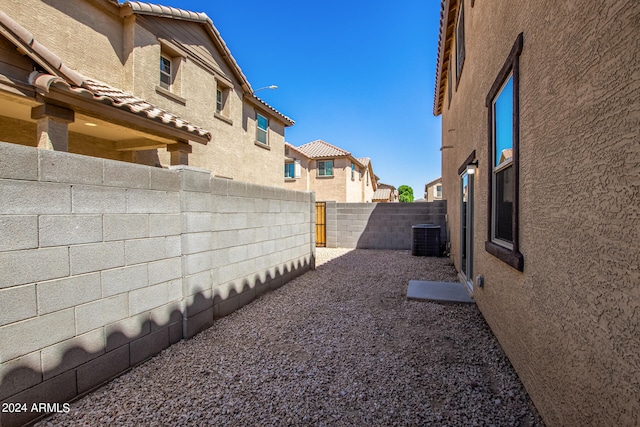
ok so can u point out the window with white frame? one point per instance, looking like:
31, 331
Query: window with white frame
166, 72
353, 171
325, 167
262, 129
219, 101
438, 191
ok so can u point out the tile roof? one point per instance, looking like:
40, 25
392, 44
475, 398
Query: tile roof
62, 76
382, 194
319, 148
448, 10
103, 92
161, 10
364, 160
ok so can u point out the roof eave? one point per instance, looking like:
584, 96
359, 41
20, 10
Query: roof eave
444, 49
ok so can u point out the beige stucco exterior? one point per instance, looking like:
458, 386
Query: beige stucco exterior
433, 190
344, 186
569, 321
122, 47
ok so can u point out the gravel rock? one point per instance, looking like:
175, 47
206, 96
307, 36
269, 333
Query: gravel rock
338, 346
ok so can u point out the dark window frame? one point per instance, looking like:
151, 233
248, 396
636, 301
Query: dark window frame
460, 44
511, 68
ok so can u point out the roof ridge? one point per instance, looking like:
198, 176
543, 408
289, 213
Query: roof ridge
320, 141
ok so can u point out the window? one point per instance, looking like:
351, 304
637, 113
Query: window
325, 167
460, 54
219, 101
166, 76
503, 188
438, 191
262, 129
353, 172
289, 170
449, 83
504, 135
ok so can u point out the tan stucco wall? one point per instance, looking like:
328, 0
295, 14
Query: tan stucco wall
430, 193
569, 322
303, 182
339, 187
91, 38
86, 36
367, 185
232, 152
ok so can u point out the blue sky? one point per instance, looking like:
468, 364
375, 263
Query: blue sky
359, 75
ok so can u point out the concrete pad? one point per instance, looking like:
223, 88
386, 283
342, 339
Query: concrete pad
438, 291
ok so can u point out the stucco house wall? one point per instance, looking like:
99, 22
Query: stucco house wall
569, 320
124, 51
342, 186
88, 36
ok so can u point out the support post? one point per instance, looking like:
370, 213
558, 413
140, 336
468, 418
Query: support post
53, 126
179, 153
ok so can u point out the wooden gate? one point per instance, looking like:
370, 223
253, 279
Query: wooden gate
321, 227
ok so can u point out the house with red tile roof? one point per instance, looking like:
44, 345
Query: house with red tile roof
332, 172
385, 194
136, 82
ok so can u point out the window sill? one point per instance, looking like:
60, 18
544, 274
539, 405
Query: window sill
261, 145
172, 96
513, 258
324, 176
290, 179
223, 118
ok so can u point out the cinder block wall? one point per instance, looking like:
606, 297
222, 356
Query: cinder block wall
103, 264
380, 225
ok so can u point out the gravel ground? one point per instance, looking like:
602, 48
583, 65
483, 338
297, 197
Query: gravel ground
338, 346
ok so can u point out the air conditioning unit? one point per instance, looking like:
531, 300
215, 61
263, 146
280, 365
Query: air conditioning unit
425, 240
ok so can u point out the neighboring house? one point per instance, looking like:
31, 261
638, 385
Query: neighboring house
433, 190
136, 82
385, 194
541, 169
333, 173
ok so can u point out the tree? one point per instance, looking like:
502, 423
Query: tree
405, 194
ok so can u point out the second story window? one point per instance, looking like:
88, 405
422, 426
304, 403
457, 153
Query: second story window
219, 101
325, 167
460, 50
353, 171
166, 76
262, 129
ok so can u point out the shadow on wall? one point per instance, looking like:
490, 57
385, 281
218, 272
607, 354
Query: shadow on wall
79, 371
389, 225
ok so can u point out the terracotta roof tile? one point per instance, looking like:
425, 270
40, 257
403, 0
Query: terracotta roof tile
319, 148
364, 160
102, 92
382, 194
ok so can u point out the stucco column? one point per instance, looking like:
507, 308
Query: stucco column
53, 126
179, 153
